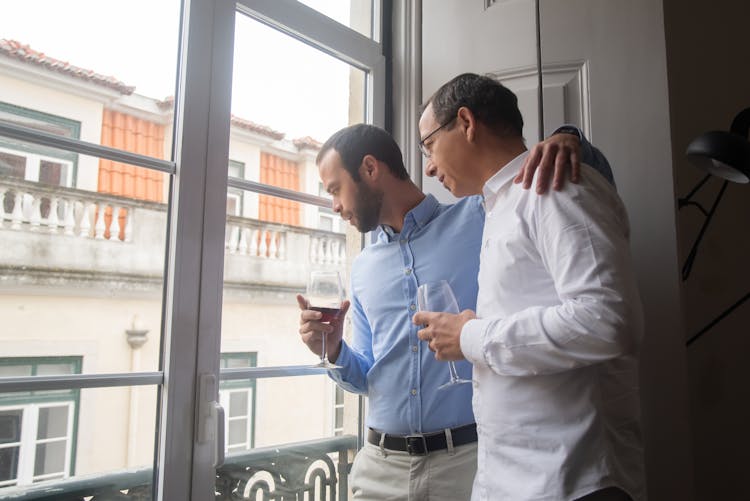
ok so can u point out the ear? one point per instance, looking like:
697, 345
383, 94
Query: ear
467, 122
370, 169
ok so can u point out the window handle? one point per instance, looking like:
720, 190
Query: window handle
211, 418
219, 454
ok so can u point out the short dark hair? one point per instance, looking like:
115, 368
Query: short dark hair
491, 102
356, 141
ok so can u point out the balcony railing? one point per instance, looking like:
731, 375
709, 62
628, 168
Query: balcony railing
82, 230
304, 470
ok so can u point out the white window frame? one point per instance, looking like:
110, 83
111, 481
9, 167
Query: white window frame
225, 400
29, 441
33, 165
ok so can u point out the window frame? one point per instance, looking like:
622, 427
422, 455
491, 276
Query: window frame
30, 403
189, 373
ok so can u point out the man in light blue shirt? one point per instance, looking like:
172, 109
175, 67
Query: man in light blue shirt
421, 440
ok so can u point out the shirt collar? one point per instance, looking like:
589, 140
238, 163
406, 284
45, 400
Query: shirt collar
503, 177
416, 218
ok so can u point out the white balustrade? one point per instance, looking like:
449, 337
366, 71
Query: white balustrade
45, 210
327, 250
70, 218
76, 214
248, 239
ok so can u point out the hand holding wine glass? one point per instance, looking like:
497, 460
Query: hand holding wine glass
438, 297
325, 294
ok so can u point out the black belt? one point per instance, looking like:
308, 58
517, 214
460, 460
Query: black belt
423, 444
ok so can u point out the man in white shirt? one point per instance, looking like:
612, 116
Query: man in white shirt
554, 340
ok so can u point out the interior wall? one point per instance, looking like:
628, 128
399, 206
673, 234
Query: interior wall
709, 83
460, 36
623, 45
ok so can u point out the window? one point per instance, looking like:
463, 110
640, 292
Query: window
238, 400
45, 165
37, 429
135, 274
234, 196
338, 410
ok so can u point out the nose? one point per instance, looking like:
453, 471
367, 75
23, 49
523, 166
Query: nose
430, 168
336, 205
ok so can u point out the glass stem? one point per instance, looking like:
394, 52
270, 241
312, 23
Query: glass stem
324, 353
454, 372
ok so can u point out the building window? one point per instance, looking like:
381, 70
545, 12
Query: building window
238, 400
338, 410
37, 428
38, 163
234, 196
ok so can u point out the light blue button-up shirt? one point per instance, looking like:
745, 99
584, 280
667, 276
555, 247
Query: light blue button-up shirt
386, 360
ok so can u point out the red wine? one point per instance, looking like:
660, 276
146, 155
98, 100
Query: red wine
329, 314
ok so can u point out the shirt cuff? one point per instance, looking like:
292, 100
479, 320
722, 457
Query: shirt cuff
343, 360
472, 341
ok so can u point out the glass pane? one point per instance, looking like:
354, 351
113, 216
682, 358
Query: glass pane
10, 425
8, 466
280, 121
356, 14
238, 403
50, 458
52, 369
291, 438
266, 265
12, 165
237, 431
84, 268
270, 248
53, 422
79, 71
14, 370
110, 444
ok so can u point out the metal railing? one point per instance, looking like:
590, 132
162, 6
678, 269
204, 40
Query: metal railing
316, 470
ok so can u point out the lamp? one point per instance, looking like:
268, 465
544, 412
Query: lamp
725, 155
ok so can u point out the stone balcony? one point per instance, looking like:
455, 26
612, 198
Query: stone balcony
55, 236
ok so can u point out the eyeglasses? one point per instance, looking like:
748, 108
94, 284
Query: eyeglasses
422, 146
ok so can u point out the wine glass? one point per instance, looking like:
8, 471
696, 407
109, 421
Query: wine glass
325, 294
438, 296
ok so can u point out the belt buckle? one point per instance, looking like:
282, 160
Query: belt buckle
412, 445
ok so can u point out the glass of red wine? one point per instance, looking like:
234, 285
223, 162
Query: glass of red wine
325, 294
438, 296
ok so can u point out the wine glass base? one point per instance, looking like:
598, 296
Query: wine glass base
453, 382
327, 365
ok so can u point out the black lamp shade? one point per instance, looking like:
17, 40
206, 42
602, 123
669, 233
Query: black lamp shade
723, 154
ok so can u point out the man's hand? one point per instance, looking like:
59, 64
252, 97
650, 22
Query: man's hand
443, 332
558, 152
312, 329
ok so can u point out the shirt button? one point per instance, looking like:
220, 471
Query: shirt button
414, 348
412, 307
413, 391
407, 271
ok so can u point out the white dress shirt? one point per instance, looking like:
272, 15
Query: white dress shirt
554, 346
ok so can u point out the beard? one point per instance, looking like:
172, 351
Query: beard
367, 208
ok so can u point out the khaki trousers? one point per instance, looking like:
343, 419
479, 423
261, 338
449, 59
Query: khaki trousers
397, 476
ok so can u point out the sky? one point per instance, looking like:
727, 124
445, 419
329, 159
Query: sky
277, 81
